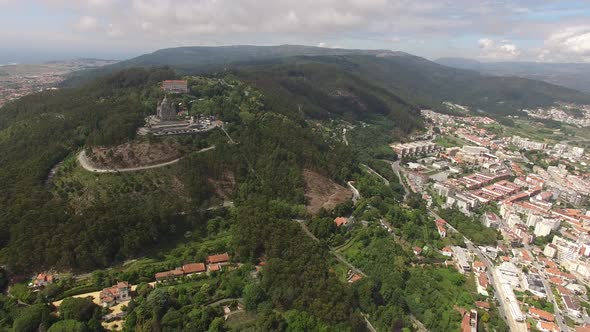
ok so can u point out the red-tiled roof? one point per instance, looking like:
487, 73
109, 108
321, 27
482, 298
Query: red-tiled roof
562, 290
122, 284
483, 280
177, 272
355, 277
547, 326
556, 280
193, 268
219, 258
478, 264
341, 221
542, 314
482, 304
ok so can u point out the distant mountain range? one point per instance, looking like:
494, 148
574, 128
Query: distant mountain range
314, 75
571, 75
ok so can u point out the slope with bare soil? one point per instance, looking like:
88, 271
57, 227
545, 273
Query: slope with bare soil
321, 192
135, 154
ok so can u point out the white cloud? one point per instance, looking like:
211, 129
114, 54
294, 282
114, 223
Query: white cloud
485, 43
490, 49
566, 44
86, 23
425, 26
510, 49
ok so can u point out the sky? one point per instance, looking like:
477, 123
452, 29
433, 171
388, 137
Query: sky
486, 30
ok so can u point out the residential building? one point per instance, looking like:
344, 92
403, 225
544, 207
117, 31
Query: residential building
550, 250
491, 220
534, 284
545, 226
572, 306
547, 326
508, 274
479, 266
118, 293
42, 280
462, 259
482, 305
447, 251
443, 189
541, 314
482, 284
441, 227
222, 259
193, 268
469, 321
339, 221
463, 201
527, 144
415, 148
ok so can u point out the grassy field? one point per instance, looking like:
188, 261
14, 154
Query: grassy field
241, 321
449, 141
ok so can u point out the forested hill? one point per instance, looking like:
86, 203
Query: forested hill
319, 90
42, 228
414, 79
40, 130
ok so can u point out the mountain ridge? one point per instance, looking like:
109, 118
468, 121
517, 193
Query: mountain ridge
568, 74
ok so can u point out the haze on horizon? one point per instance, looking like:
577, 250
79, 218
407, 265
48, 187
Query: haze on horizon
523, 30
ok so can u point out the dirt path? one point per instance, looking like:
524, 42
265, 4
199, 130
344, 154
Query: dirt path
85, 163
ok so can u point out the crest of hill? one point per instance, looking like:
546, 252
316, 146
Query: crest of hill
415, 80
216, 57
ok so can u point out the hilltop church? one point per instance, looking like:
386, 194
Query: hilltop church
165, 111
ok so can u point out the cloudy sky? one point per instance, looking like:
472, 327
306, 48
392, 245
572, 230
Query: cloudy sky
531, 30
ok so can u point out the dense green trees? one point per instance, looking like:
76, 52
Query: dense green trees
73, 308
470, 227
68, 325
33, 318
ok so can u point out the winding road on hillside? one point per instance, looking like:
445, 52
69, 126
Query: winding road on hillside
85, 163
372, 171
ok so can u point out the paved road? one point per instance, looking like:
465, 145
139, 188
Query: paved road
228, 300
85, 163
395, 166
372, 171
355, 193
544, 278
